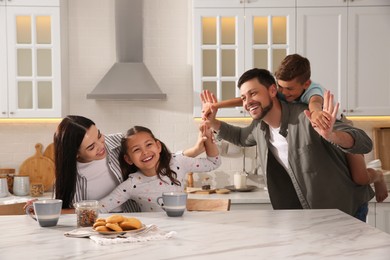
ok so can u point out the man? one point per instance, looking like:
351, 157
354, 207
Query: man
304, 167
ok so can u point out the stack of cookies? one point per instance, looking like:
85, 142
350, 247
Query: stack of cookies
117, 223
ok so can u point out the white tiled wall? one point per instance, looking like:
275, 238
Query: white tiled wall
167, 53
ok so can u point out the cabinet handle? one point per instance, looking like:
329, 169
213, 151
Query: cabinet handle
11, 113
3, 111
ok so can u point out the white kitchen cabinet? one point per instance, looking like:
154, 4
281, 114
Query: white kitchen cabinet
231, 37
347, 45
382, 218
371, 216
31, 74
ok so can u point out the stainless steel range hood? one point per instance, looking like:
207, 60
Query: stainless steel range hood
128, 78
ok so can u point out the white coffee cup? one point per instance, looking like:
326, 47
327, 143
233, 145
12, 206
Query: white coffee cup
174, 203
47, 212
239, 181
21, 185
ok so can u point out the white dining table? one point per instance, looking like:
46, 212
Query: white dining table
240, 234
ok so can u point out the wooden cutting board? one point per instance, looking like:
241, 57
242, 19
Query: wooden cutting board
40, 168
49, 151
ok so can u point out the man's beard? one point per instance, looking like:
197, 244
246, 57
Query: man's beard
264, 110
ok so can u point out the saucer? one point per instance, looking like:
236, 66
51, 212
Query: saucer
247, 188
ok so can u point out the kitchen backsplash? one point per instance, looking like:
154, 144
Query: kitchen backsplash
167, 54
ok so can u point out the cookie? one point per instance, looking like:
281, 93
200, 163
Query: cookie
102, 229
114, 226
99, 223
130, 223
115, 219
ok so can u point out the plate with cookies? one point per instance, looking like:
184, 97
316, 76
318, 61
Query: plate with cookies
118, 224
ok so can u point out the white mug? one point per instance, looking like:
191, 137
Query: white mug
21, 185
46, 212
239, 181
174, 203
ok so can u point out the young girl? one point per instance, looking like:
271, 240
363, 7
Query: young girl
150, 169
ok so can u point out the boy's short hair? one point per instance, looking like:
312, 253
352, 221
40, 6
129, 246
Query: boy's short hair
294, 66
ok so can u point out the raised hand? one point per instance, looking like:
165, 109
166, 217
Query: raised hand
329, 111
208, 100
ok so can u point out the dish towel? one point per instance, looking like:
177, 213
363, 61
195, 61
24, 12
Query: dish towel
151, 232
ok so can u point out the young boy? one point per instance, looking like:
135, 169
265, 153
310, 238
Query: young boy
294, 85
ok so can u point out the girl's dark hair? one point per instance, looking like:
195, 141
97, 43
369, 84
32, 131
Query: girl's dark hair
163, 168
67, 140
294, 66
264, 77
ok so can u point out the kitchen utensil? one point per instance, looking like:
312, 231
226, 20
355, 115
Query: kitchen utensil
190, 180
49, 152
9, 174
47, 212
21, 185
36, 189
247, 188
3, 187
222, 191
239, 180
174, 203
41, 169
87, 212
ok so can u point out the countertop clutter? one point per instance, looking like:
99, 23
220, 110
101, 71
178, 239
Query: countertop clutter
248, 234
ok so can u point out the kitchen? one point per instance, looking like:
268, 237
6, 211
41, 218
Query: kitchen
167, 54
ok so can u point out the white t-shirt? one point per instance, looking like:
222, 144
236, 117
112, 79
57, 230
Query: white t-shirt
100, 181
279, 147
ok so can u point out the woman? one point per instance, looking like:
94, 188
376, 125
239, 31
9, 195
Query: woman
87, 165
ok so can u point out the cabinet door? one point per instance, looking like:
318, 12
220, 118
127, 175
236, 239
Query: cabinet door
269, 3
269, 36
368, 2
33, 44
371, 218
322, 3
383, 216
32, 2
368, 60
218, 55
3, 65
218, 3
322, 38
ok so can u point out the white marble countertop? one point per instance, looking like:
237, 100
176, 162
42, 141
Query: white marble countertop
245, 234
258, 195
12, 199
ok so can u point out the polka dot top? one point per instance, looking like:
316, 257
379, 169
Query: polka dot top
145, 190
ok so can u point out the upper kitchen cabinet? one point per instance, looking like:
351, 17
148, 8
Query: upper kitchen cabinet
347, 44
31, 59
233, 36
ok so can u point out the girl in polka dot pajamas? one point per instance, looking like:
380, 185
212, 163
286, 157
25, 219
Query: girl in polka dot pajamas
150, 169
